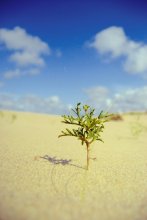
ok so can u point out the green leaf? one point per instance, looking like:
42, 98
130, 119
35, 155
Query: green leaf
99, 139
86, 107
89, 128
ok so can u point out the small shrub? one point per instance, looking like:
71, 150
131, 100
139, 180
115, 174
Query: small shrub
116, 117
89, 127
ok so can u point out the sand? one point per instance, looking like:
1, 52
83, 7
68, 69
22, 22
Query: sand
36, 188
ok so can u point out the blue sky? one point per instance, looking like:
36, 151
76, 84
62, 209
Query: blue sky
54, 54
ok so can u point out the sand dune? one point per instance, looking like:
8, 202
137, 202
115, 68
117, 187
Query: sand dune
57, 186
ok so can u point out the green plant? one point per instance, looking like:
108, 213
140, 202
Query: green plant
89, 127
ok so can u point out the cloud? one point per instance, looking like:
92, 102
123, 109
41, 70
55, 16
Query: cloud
26, 52
33, 103
26, 58
131, 99
26, 49
16, 73
7, 101
100, 97
12, 74
97, 92
114, 43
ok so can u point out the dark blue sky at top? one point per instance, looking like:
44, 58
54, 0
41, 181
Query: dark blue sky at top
67, 23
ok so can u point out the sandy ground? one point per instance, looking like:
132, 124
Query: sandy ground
34, 188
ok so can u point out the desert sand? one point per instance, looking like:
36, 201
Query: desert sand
43, 177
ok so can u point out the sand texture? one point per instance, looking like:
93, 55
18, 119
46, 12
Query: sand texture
57, 187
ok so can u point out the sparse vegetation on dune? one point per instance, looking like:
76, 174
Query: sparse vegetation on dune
116, 117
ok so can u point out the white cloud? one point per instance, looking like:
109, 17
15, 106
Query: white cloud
114, 42
16, 73
26, 58
131, 99
32, 72
111, 40
136, 61
33, 103
26, 49
54, 99
97, 92
126, 100
7, 101
12, 74
26, 52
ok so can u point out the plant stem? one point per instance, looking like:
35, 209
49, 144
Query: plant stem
88, 149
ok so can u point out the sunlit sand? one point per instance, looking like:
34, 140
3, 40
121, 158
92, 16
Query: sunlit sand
44, 178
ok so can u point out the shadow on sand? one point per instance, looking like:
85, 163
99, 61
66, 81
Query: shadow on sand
63, 162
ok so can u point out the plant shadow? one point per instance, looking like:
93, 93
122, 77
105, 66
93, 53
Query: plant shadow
63, 162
